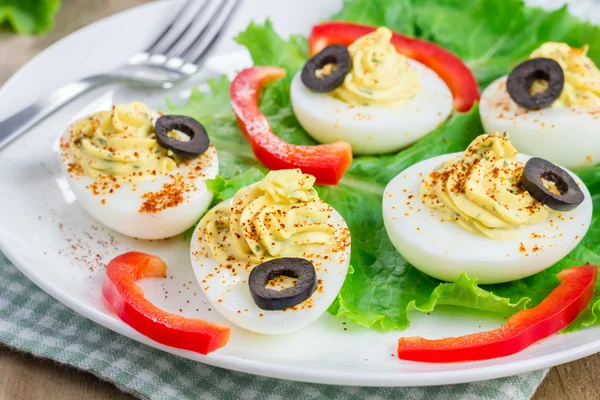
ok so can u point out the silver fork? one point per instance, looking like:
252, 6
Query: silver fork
175, 55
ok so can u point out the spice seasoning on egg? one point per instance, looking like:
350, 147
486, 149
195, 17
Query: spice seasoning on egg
123, 177
481, 190
280, 216
118, 143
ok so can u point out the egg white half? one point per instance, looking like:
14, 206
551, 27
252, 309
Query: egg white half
565, 136
444, 250
228, 291
119, 209
374, 129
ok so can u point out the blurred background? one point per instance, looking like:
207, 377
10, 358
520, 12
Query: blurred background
28, 27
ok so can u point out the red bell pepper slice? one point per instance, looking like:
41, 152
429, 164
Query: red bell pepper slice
449, 67
326, 162
127, 300
523, 329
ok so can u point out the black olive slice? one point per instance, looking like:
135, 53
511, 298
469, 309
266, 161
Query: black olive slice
335, 54
537, 169
522, 77
269, 299
197, 144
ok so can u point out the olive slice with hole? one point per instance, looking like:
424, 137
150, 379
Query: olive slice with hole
525, 74
336, 55
567, 194
269, 299
197, 144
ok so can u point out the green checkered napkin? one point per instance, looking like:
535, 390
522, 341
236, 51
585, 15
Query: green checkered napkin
34, 322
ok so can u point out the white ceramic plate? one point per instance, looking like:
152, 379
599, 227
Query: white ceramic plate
49, 238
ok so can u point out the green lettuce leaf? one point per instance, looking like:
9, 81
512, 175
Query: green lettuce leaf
224, 189
465, 293
384, 287
29, 16
398, 15
267, 48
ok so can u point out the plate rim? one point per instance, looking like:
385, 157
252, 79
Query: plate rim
319, 376
472, 373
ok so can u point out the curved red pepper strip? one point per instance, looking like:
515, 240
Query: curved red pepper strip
127, 300
449, 67
326, 162
523, 329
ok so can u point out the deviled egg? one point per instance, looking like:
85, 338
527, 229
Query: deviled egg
139, 173
273, 258
550, 104
369, 96
490, 212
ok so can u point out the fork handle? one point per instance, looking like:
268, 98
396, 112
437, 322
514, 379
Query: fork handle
19, 123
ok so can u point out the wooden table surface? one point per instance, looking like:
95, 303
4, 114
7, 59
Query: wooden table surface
24, 377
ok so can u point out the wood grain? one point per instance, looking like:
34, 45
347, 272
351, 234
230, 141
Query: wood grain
24, 377
17, 50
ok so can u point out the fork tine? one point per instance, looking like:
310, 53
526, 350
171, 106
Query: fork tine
195, 30
175, 28
195, 23
204, 45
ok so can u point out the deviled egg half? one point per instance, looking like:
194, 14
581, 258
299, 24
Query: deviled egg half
369, 96
550, 104
273, 258
140, 173
490, 212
